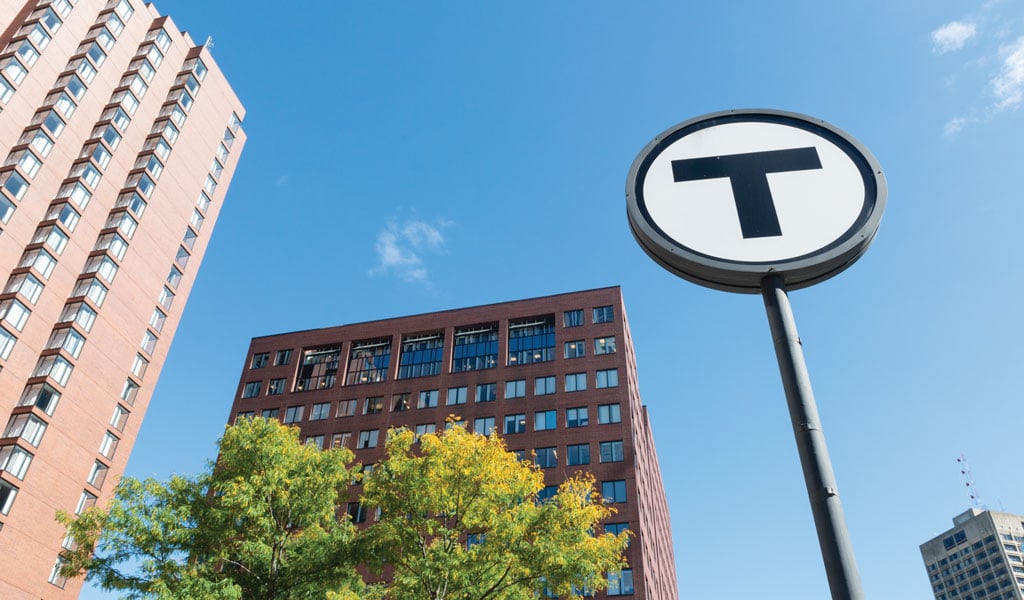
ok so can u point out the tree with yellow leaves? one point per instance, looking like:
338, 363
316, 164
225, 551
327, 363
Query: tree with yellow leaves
460, 519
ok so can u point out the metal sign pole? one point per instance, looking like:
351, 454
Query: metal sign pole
836, 549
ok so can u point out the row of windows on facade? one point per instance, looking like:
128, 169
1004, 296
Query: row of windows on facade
28, 428
370, 361
102, 265
476, 347
68, 339
484, 392
543, 420
71, 85
24, 432
51, 239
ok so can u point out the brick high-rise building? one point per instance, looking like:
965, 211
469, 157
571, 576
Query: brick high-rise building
120, 136
980, 558
555, 376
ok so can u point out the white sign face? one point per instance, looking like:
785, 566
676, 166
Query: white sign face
725, 199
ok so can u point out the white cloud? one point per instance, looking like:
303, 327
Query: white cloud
1008, 85
954, 126
400, 246
952, 36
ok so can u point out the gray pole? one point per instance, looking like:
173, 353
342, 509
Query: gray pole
836, 549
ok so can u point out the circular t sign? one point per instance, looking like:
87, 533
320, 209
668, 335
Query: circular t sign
726, 199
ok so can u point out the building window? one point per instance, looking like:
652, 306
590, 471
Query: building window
276, 386
119, 418
25, 284
251, 389
578, 454
454, 422
547, 493
320, 411
109, 445
545, 458
315, 440
15, 184
7, 341
282, 357
544, 420
621, 583
421, 355
428, 399
531, 340
486, 392
14, 312
475, 348
166, 298
15, 461
67, 339
515, 389
577, 417
401, 402
292, 414
357, 512
56, 578
604, 314
129, 391
424, 429
604, 345
156, 320
259, 360
54, 366
367, 439
41, 396
608, 413
575, 382
97, 475
616, 528
270, 413
575, 349
43, 262
611, 451
248, 414
515, 423
347, 408
543, 386
374, 405
319, 369
341, 440
369, 361
572, 318
614, 491
27, 427
76, 312
456, 395
608, 378
483, 425
148, 343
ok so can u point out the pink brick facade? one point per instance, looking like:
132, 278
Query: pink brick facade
120, 136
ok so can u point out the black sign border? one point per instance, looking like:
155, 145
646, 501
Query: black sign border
746, 276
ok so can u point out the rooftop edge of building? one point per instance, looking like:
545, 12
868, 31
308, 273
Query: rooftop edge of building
440, 312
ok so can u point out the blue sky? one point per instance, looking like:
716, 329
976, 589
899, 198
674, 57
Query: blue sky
405, 157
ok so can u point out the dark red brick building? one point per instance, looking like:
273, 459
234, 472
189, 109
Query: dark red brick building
555, 376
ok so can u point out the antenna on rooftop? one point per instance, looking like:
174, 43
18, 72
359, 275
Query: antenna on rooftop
968, 480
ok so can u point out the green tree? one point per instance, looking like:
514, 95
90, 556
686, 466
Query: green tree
461, 520
260, 524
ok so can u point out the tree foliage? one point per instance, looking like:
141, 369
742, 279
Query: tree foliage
260, 524
461, 520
